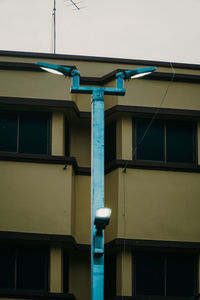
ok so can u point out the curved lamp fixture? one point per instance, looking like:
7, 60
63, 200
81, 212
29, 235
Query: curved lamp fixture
135, 73
57, 69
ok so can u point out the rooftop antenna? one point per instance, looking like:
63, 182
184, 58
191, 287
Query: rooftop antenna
54, 27
77, 7
75, 4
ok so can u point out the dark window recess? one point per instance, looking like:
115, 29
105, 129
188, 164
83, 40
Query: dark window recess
7, 268
164, 140
173, 275
24, 268
65, 272
149, 275
150, 141
180, 275
179, 142
8, 133
24, 132
110, 142
110, 276
67, 145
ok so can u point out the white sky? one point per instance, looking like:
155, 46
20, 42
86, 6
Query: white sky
166, 30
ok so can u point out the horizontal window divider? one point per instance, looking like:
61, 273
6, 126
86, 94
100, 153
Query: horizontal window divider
46, 159
49, 104
86, 171
118, 244
34, 295
42, 239
149, 297
150, 165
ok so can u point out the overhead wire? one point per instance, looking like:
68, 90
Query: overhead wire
157, 110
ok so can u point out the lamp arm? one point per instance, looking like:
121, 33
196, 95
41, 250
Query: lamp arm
120, 80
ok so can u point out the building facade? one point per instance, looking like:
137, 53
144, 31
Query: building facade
152, 180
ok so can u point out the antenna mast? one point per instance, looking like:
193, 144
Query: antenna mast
54, 27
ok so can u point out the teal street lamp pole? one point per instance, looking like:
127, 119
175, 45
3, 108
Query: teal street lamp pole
100, 215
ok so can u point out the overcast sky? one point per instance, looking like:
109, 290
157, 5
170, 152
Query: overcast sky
166, 30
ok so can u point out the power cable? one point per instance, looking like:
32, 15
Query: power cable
135, 149
157, 110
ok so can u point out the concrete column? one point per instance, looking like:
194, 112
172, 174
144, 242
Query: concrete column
58, 133
124, 273
124, 138
198, 142
56, 273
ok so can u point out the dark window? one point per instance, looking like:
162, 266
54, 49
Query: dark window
24, 132
65, 273
150, 141
24, 268
110, 141
180, 275
110, 276
149, 275
8, 132
7, 268
164, 140
171, 275
179, 142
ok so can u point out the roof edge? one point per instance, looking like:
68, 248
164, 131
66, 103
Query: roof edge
99, 59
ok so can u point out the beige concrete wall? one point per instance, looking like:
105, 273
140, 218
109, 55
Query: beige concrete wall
56, 270
124, 273
139, 92
82, 209
159, 205
111, 200
124, 138
80, 142
34, 85
79, 276
58, 127
35, 198
150, 93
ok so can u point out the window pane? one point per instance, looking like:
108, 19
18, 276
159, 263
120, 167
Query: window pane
110, 142
150, 144
181, 275
7, 268
110, 276
31, 269
8, 133
149, 274
33, 134
179, 139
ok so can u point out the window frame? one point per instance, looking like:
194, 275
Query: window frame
19, 114
46, 270
165, 257
165, 162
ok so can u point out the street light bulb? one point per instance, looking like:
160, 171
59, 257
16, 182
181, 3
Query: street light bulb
140, 75
52, 71
103, 212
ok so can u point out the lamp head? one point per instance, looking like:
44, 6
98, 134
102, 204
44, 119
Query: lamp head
135, 73
57, 69
102, 218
